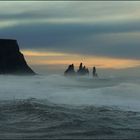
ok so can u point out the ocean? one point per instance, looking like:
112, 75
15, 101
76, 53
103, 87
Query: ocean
59, 107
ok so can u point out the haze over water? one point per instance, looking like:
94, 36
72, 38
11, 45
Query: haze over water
55, 106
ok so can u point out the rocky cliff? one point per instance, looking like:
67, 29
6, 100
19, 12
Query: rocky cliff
11, 59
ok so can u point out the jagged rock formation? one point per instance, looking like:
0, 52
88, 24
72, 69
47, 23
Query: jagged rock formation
82, 70
94, 72
70, 70
11, 59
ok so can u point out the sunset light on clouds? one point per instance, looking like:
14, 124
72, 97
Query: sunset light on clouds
58, 58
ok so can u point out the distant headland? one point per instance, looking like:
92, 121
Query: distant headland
12, 60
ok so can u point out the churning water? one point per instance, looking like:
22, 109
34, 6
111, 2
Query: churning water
55, 106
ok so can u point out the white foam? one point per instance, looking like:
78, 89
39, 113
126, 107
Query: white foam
72, 91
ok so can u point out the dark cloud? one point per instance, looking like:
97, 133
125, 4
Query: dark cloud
101, 29
108, 39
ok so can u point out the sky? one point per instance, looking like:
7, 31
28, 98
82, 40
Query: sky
55, 34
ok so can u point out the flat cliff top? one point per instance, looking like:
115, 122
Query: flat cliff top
12, 61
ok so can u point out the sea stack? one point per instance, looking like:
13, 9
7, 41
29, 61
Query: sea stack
70, 70
94, 72
82, 70
12, 60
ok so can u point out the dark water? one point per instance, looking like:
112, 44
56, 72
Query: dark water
56, 107
32, 118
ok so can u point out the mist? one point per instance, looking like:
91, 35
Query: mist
122, 93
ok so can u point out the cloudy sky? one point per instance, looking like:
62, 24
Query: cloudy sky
105, 34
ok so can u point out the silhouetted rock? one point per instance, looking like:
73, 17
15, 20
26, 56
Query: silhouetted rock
11, 59
70, 70
87, 71
94, 72
82, 70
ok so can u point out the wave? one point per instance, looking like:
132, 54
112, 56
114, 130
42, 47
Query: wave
118, 92
58, 107
33, 118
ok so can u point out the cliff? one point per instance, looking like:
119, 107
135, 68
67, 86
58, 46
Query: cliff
11, 59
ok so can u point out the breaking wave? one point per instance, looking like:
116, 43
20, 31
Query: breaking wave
59, 107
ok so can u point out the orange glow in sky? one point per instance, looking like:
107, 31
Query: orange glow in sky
58, 58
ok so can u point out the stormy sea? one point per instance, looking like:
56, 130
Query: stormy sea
58, 107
